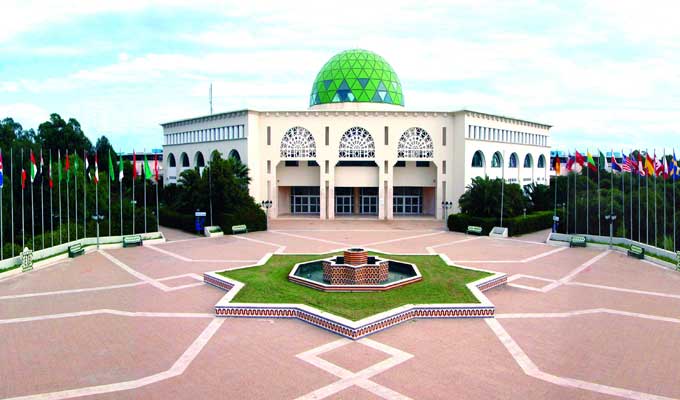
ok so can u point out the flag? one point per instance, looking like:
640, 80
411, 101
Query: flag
615, 165
120, 167
591, 162
641, 166
602, 161
558, 165
630, 164
658, 166
625, 163
67, 166
155, 167
2, 178
578, 158
96, 169
49, 173
34, 168
147, 170
23, 179
134, 165
676, 168
666, 170
75, 165
570, 162
87, 166
649, 165
112, 173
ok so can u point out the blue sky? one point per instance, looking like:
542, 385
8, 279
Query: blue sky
603, 73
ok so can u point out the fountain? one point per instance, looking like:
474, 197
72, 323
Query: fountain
354, 271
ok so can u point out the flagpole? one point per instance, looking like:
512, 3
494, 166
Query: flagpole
611, 172
120, 186
158, 229
575, 211
23, 231
665, 176
85, 195
110, 172
51, 209
96, 195
502, 188
32, 210
656, 226
11, 187
75, 194
134, 202
2, 189
566, 228
623, 196
599, 201
144, 168
673, 182
42, 198
68, 208
631, 202
587, 199
647, 201
59, 196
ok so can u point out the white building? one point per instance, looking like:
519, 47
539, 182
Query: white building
357, 152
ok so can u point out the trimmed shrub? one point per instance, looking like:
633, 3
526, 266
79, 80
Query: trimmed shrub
516, 225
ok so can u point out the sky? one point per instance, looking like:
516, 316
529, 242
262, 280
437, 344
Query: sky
604, 74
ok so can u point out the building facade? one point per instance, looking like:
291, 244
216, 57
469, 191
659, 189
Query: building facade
357, 152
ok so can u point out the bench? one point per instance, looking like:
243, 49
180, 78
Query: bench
239, 229
678, 266
637, 252
577, 241
75, 250
475, 230
132, 240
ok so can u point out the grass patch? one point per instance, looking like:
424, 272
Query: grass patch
269, 284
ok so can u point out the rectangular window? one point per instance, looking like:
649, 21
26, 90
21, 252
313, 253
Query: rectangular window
269, 166
386, 167
443, 136
400, 164
312, 164
469, 132
269, 136
444, 167
327, 136
326, 166
292, 163
422, 164
387, 136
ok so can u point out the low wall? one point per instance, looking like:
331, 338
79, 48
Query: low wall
51, 253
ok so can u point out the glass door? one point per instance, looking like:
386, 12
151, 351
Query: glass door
369, 201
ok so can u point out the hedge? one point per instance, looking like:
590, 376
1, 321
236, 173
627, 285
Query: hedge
253, 217
516, 225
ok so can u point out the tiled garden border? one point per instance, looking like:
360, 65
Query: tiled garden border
361, 328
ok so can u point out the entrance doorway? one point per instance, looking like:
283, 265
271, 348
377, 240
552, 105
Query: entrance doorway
344, 200
407, 201
368, 198
305, 200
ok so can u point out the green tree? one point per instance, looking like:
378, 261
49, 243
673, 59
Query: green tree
482, 198
540, 197
59, 134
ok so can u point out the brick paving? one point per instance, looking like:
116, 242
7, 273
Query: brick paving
135, 323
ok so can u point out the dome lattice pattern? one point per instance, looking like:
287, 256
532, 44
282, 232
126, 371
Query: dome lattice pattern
356, 76
298, 142
356, 143
415, 143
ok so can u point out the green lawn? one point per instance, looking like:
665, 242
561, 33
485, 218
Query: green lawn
269, 284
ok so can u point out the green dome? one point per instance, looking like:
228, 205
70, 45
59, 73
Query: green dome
358, 76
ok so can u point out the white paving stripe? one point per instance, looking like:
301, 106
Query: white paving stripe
523, 261
569, 314
240, 237
143, 314
459, 241
532, 370
70, 291
180, 257
177, 369
311, 238
575, 272
404, 238
349, 378
618, 289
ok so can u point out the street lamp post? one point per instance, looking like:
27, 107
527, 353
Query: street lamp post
266, 204
97, 218
611, 218
446, 205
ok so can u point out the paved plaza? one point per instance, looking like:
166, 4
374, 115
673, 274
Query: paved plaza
138, 323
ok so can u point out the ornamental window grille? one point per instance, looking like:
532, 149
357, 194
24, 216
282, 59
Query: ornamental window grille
478, 159
415, 143
528, 161
298, 142
541, 161
513, 160
356, 143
